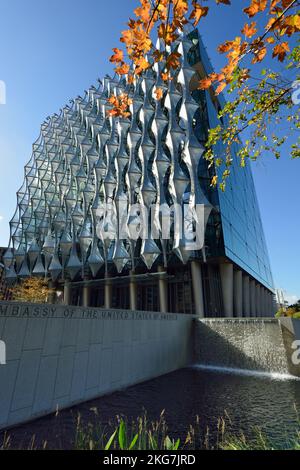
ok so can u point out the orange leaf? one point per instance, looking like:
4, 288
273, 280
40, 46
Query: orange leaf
159, 94
249, 30
259, 54
113, 100
198, 12
173, 60
127, 36
167, 33
118, 55
141, 65
180, 8
123, 69
144, 12
120, 104
165, 76
158, 56
225, 47
255, 7
220, 88
280, 51
225, 2
205, 83
220, 77
293, 21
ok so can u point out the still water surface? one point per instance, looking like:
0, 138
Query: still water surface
249, 399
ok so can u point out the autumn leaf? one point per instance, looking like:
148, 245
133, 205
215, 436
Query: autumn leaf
127, 36
168, 33
144, 11
165, 76
141, 65
130, 79
220, 88
225, 47
220, 77
280, 51
198, 12
293, 21
205, 83
181, 7
270, 24
123, 69
259, 54
120, 105
255, 7
162, 11
285, 3
228, 70
249, 30
214, 181
118, 56
113, 100
158, 94
244, 75
173, 60
225, 2
158, 56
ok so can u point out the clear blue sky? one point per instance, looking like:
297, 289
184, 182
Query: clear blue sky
50, 51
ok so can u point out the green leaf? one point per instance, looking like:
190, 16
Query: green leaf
168, 443
122, 435
176, 445
133, 442
171, 445
111, 440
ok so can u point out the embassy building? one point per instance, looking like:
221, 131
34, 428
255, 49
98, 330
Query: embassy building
120, 212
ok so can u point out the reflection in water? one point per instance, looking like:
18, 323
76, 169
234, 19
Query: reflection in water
249, 400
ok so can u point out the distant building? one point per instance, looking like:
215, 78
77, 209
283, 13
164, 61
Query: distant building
280, 299
85, 165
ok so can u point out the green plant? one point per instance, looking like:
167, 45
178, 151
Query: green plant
144, 435
137, 435
123, 442
259, 442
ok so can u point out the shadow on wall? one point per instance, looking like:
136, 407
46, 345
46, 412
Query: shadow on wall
244, 344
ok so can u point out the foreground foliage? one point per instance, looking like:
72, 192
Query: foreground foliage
144, 434
264, 101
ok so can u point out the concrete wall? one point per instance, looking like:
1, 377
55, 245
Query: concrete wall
58, 356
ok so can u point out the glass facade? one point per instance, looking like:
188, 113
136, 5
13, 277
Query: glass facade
85, 163
243, 235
